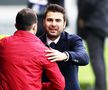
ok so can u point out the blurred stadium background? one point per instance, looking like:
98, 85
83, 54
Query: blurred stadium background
8, 11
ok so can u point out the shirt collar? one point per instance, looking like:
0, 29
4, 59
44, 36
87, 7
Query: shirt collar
49, 40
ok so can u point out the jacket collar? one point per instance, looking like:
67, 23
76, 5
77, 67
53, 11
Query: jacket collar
26, 34
62, 38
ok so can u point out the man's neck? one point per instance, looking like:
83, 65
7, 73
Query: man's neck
49, 40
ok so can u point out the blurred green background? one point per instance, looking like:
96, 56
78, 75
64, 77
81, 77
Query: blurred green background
86, 75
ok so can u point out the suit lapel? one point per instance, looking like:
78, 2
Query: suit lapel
61, 45
43, 39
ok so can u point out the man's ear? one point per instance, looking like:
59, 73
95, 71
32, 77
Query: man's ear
64, 24
34, 28
43, 22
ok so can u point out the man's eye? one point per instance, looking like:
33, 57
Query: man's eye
49, 19
58, 20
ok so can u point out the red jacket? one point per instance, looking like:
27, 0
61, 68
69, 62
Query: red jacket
22, 60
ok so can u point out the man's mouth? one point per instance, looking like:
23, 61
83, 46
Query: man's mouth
53, 30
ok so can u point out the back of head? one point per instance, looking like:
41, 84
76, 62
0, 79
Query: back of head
25, 18
55, 8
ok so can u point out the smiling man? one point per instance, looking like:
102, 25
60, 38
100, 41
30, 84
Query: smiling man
69, 51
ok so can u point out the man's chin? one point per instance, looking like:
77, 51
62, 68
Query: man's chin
53, 34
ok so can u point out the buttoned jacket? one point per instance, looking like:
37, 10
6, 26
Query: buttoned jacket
77, 57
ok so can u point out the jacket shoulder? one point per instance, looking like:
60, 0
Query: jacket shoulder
71, 36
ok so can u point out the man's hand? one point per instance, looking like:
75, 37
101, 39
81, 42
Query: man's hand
55, 55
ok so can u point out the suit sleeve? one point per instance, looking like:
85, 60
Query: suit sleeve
77, 52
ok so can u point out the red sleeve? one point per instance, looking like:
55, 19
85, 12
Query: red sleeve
53, 73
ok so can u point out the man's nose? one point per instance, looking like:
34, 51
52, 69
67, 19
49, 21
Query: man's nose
54, 23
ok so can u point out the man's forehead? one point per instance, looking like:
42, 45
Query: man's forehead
54, 15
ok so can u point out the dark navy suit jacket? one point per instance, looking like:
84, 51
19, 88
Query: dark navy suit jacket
77, 56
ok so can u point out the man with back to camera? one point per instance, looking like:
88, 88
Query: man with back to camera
68, 51
22, 58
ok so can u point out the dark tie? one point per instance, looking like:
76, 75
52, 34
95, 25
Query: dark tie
52, 45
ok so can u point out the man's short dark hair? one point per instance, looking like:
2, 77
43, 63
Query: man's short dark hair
25, 18
55, 8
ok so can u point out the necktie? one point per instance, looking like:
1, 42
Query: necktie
52, 45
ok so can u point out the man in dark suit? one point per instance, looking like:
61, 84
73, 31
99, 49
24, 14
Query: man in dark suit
93, 28
69, 51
